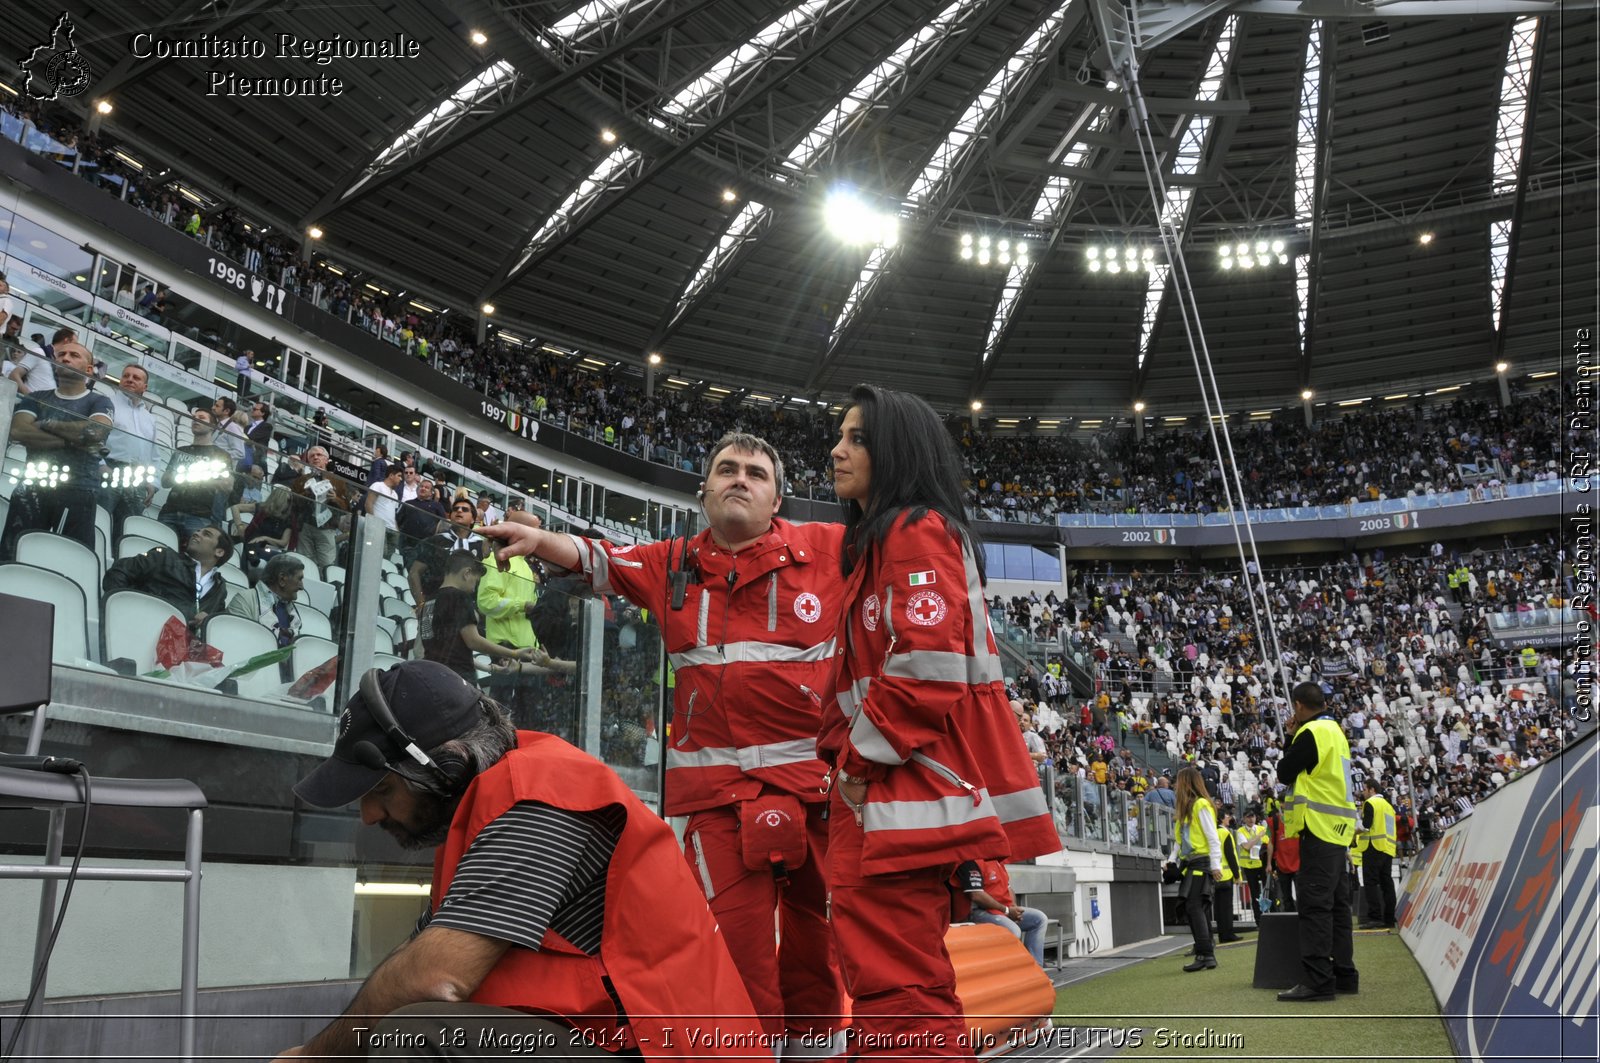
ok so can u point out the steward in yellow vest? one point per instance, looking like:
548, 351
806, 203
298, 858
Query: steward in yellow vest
1322, 814
1378, 837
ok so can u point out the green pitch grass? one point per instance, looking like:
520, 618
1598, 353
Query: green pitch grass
1218, 1015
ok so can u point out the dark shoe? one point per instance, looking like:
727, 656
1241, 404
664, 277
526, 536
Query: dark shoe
1369, 925
1303, 993
1230, 941
1201, 963
1348, 987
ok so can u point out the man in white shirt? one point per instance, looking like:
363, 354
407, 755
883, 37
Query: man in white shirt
132, 446
33, 369
383, 500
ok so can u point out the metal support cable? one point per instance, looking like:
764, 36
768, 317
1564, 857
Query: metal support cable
1210, 394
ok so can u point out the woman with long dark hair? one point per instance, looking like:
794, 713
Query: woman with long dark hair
929, 768
1199, 862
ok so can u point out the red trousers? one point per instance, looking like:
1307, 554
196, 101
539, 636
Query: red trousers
890, 932
787, 961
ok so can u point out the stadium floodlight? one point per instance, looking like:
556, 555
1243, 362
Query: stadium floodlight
479, 38
853, 221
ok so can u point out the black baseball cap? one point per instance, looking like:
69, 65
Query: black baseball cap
430, 703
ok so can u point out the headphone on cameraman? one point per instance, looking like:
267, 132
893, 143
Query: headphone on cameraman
371, 756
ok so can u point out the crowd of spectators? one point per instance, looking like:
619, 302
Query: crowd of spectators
1401, 646
1400, 450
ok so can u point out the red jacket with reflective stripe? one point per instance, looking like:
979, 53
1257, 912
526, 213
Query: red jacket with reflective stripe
753, 656
661, 948
920, 710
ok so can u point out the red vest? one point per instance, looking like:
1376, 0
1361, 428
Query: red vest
661, 949
996, 881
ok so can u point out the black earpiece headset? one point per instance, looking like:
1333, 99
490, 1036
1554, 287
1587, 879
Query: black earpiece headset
378, 707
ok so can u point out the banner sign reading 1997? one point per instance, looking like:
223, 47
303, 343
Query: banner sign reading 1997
518, 424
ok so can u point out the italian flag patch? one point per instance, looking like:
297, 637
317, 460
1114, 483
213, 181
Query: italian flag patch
922, 579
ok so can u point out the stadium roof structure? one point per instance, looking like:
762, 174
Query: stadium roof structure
622, 177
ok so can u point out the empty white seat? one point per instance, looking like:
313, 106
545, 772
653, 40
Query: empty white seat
150, 529
389, 626
134, 545
130, 625
321, 596
314, 622
395, 607
240, 640
384, 660
311, 652
383, 642
71, 559
102, 535
234, 578
72, 610
334, 574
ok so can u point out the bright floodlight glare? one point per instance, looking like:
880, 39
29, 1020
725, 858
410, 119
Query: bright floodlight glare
480, 38
1227, 263
608, 136
655, 359
1138, 407
103, 106
1277, 247
1283, 260
977, 404
1005, 258
966, 239
1246, 262
1501, 367
1244, 249
315, 232
966, 254
983, 258
1425, 238
1149, 254
729, 195
1005, 245
1114, 266
488, 308
1094, 267
1093, 253
1131, 254
983, 242
1022, 249
1306, 394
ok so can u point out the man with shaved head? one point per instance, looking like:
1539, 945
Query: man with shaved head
63, 427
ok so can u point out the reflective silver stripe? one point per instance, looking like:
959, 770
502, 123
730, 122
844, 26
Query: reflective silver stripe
870, 743
985, 667
772, 603
1329, 810
940, 666
1024, 804
700, 862
597, 563
850, 700
704, 620
745, 758
756, 652
937, 814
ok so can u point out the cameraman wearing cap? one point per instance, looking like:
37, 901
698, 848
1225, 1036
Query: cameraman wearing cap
549, 883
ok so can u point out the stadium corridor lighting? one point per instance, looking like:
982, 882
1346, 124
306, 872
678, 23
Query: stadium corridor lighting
852, 221
479, 38
488, 308
729, 195
608, 136
1501, 367
103, 106
1138, 407
654, 359
1425, 239
977, 404
315, 232
1307, 394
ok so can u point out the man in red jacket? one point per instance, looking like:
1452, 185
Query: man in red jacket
549, 882
748, 610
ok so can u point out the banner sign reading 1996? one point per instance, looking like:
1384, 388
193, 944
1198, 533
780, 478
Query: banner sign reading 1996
257, 289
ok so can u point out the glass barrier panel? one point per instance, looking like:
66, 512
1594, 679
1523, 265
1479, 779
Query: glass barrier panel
69, 299
1094, 811
1116, 817
53, 253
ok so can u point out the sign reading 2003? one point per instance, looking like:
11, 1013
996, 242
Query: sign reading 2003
317, 53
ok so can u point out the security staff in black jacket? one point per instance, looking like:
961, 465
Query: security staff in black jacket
190, 581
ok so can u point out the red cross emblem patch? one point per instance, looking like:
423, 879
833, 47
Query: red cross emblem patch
926, 608
871, 611
808, 607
